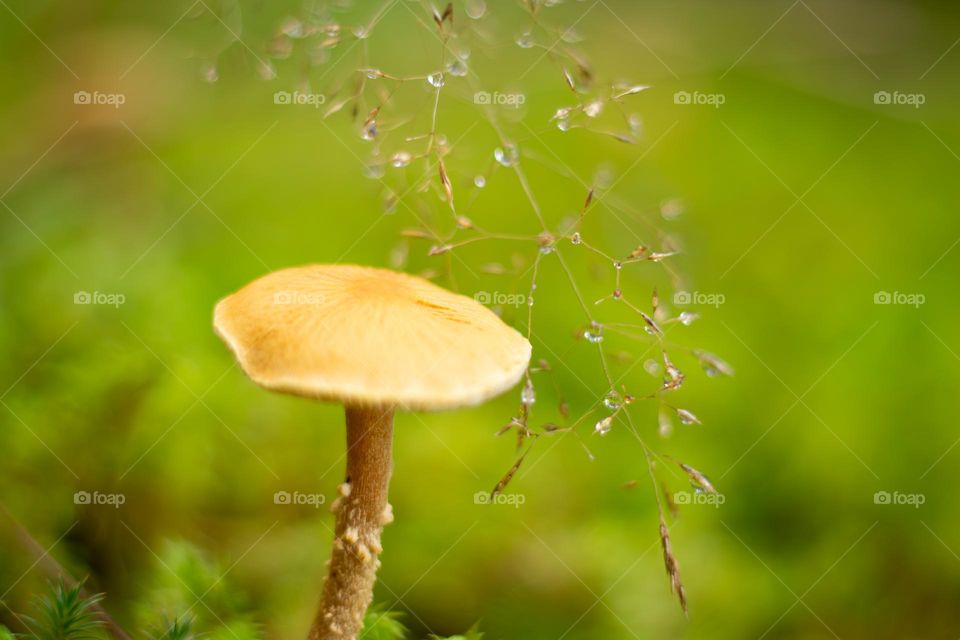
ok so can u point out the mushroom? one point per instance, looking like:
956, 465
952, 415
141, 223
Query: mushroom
375, 341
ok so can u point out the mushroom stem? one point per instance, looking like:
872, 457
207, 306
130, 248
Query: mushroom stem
361, 511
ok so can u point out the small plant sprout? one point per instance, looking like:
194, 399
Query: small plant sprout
375, 341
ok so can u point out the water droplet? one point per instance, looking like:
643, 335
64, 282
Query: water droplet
612, 400
686, 417
210, 73
374, 171
594, 333
292, 27
400, 159
664, 423
457, 67
525, 40
475, 9
373, 74
369, 131
563, 124
361, 32
480, 182
575, 238
604, 425
571, 35
671, 209
436, 79
593, 108
266, 70
687, 318
635, 123
529, 395
506, 156
617, 294
617, 265
652, 367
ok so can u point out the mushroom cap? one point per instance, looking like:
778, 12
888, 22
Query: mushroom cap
367, 336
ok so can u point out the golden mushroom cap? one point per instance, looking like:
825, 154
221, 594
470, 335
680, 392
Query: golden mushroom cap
367, 336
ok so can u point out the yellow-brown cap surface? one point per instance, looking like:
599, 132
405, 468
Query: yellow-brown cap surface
360, 335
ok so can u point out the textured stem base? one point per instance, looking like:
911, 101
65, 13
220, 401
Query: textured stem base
362, 510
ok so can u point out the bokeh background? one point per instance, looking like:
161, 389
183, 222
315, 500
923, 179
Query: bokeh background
800, 197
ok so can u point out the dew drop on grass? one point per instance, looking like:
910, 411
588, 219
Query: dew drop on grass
664, 423
436, 79
617, 265
594, 332
671, 209
292, 27
612, 400
593, 108
687, 318
506, 156
575, 238
210, 73
603, 425
361, 32
400, 159
266, 70
457, 67
475, 9
374, 171
686, 417
525, 40
652, 367
529, 395
571, 35
563, 124
480, 182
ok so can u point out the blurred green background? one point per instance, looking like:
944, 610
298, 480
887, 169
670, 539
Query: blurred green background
802, 195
